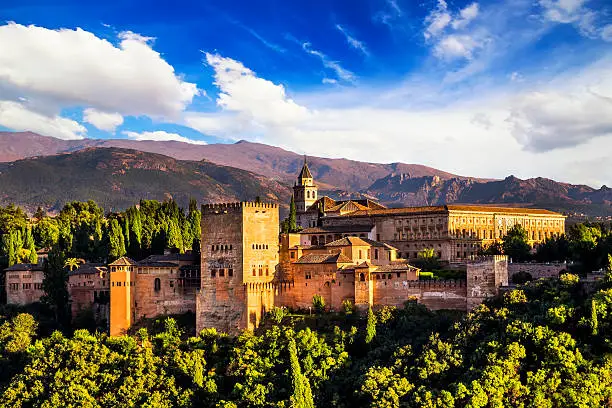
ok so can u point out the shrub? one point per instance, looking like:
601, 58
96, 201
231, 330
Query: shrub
521, 278
426, 275
318, 303
348, 307
277, 314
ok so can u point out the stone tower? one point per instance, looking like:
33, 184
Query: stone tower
122, 301
304, 191
239, 260
485, 275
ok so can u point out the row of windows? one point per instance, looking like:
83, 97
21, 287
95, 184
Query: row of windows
259, 246
221, 247
261, 271
118, 284
221, 272
26, 286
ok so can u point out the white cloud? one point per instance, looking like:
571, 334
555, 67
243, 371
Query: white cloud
456, 46
353, 42
575, 12
563, 11
102, 120
606, 33
335, 66
16, 116
161, 136
437, 20
568, 112
388, 16
472, 136
467, 14
65, 68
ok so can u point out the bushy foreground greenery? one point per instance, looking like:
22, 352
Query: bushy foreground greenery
544, 345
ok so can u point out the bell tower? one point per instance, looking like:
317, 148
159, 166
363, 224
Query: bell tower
304, 191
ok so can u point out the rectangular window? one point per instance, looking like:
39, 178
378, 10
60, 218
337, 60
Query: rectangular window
213, 273
230, 272
221, 272
376, 254
292, 255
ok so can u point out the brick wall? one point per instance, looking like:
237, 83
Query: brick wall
23, 287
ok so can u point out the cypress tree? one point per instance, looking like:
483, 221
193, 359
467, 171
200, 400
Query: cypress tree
55, 286
29, 245
116, 241
302, 394
370, 327
292, 216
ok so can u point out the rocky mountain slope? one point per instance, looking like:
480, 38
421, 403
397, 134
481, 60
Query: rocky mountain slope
269, 161
117, 178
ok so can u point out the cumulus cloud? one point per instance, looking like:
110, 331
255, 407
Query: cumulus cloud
161, 136
455, 46
47, 70
16, 116
569, 112
102, 120
353, 42
256, 100
449, 35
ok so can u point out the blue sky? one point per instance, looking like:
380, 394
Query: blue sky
486, 88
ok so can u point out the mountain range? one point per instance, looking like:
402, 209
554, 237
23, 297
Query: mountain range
39, 170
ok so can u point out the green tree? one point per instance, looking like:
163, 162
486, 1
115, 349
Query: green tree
72, 263
292, 220
318, 303
116, 241
370, 326
30, 247
55, 286
515, 244
302, 393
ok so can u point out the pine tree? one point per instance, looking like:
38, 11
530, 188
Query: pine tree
8, 248
302, 394
292, 216
370, 327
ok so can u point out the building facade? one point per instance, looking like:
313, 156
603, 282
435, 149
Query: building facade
455, 232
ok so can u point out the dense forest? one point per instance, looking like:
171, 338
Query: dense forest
545, 344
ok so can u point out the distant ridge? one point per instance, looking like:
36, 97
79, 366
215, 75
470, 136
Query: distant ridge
56, 171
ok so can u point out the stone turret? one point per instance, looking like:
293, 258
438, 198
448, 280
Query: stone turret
304, 191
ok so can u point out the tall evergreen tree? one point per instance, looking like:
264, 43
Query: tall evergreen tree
302, 393
55, 286
116, 243
29, 245
292, 216
370, 327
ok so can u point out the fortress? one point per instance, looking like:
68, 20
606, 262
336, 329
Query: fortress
354, 251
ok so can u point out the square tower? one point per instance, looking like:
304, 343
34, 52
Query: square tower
122, 299
239, 249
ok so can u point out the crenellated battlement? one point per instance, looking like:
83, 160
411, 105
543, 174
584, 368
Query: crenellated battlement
487, 259
223, 208
434, 284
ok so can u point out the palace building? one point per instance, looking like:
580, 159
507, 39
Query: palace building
456, 232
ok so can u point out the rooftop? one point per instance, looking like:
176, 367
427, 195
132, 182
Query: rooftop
324, 258
445, 209
24, 267
89, 269
348, 241
337, 229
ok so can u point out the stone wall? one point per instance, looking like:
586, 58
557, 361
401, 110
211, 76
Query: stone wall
165, 298
23, 287
537, 270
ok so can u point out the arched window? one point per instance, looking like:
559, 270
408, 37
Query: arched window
308, 194
157, 284
314, 194
362, 277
